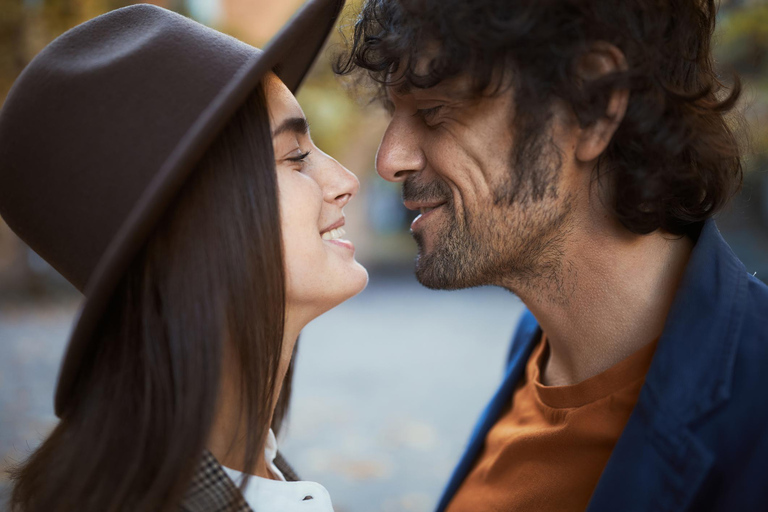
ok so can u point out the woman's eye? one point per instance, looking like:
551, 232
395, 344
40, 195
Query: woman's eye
299, 158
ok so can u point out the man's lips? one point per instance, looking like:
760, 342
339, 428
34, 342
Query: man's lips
425, 207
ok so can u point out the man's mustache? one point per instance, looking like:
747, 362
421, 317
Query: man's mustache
417, 191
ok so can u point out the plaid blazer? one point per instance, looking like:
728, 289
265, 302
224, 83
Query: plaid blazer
211, 490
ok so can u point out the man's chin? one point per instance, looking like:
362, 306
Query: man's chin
435, 274
438, 265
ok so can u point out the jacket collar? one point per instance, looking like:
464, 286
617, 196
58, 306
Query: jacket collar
693, 367
211, 490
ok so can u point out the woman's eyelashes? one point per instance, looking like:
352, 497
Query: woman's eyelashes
297, 159
300, 157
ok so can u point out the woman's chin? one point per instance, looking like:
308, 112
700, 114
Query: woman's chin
362, 279
308, 304
354, 282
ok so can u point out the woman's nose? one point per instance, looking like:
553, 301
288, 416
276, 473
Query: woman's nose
341, 185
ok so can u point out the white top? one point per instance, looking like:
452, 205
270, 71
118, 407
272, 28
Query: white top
266, 495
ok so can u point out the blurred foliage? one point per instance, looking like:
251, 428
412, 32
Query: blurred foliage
741, 46
743, 41
329, 104
26, 26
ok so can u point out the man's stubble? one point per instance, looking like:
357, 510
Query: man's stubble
515, 240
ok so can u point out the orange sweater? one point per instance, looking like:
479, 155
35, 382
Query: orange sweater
546, 453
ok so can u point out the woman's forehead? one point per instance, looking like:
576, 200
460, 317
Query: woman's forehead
281, 102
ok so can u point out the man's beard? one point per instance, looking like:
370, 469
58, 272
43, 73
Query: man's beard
516, 241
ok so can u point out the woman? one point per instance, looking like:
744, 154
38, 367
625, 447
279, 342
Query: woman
178, 187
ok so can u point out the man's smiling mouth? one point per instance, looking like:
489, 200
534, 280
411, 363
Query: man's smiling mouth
423, 206
427, 209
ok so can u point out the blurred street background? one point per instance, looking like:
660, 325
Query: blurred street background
389, 384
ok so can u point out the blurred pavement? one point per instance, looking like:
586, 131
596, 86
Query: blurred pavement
388, 386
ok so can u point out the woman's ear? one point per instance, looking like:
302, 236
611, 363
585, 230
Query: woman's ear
601, 60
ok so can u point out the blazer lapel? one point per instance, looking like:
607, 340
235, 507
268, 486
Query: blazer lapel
657, 464
528, 333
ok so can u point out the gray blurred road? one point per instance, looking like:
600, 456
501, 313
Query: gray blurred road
388, 386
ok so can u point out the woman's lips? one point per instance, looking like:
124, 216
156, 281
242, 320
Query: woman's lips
339, 223
346, 244
333, 236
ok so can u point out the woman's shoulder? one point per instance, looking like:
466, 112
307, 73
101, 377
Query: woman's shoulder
215, 489
211, 490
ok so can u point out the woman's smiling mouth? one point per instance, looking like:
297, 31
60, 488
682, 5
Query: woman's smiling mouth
333, 233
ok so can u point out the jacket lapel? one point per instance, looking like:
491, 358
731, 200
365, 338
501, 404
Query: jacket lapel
524, 340
657, 465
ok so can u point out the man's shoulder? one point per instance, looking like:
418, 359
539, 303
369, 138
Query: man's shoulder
735, 431
756, 304
750, 372
730, 349
750, 362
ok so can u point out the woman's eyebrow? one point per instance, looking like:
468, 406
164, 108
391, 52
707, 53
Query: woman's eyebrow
297, 125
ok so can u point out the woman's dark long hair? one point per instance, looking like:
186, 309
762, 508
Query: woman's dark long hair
212, 271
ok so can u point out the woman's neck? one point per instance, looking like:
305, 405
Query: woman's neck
227, 439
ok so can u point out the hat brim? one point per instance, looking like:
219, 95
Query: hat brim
290, 53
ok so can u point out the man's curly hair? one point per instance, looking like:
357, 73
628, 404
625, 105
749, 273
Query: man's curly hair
673, 161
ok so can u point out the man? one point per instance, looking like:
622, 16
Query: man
575, 153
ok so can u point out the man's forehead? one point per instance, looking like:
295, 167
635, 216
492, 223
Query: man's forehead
458, 87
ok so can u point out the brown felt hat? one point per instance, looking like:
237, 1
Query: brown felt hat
103, 127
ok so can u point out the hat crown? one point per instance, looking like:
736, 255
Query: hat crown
103, 128
90, 122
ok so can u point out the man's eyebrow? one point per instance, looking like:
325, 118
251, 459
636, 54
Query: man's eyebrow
297, 125
445, 89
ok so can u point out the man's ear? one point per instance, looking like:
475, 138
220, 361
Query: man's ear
601, 60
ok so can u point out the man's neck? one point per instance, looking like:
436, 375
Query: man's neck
616, 290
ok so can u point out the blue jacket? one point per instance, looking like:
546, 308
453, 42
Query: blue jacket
698, 436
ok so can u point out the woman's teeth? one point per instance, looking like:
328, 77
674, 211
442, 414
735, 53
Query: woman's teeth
334, 234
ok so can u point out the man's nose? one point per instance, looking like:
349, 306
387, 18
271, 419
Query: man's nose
400, 153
